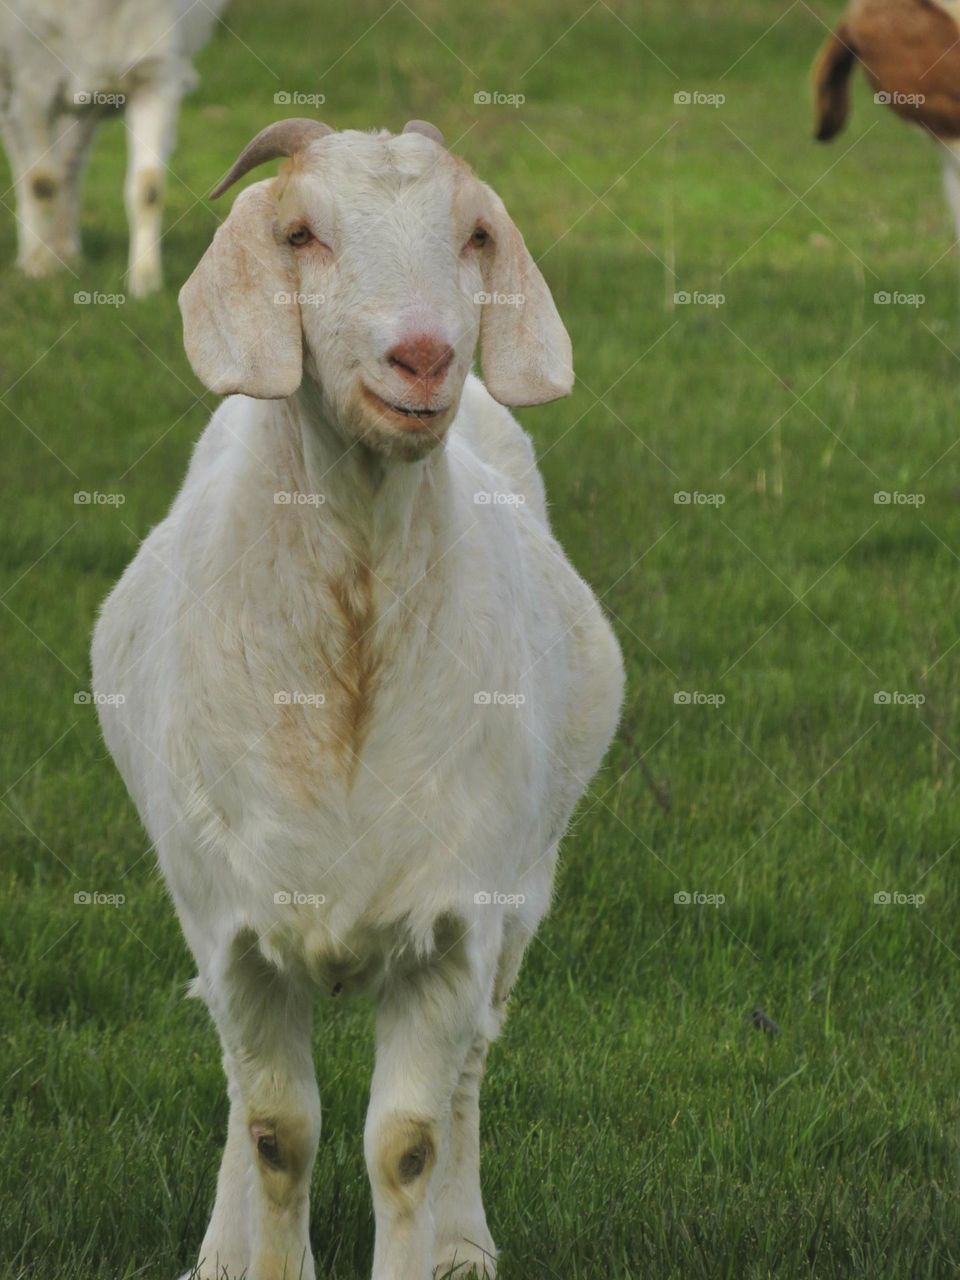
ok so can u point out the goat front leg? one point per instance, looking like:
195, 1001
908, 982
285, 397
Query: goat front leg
150, 119
48, 156
427, 1021
259, 1229
463, 1238
951, 182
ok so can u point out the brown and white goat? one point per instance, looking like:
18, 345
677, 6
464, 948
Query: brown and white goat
910, 53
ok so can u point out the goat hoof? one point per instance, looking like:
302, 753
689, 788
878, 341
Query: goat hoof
145, 280
466, 1262
38, 266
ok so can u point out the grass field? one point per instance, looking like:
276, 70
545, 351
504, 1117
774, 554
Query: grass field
635, 1123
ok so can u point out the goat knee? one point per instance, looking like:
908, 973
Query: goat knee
146, 189
43, 186
284, 1151
401, 1155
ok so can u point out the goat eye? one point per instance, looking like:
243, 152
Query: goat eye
299, 235
479, 238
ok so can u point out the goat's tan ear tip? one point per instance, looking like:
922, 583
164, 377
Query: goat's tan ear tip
559, 391
425, 128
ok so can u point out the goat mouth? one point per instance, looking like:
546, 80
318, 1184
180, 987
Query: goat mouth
411, 417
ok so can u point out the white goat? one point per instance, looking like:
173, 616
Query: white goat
364, 689
64, 66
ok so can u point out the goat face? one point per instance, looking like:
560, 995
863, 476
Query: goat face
372, 265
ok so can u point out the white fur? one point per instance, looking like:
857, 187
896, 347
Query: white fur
62, 65
429, 838
951, 179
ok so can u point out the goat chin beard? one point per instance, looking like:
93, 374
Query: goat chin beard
400, 445
396, 443
356, 422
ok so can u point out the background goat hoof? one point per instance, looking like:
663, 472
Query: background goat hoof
39, 265
145, 279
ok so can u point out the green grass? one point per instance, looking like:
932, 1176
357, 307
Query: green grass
635, 1125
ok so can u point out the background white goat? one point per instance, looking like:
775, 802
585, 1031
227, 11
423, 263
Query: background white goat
65, 65
910, 54
363, 689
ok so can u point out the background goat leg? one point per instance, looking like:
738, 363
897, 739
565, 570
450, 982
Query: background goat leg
151, 120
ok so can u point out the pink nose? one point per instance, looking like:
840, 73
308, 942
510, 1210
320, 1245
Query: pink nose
421, 358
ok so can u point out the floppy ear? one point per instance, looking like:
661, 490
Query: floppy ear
241, 319
525, 351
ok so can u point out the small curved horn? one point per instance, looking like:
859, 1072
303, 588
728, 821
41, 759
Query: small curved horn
426, 128
285, 138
